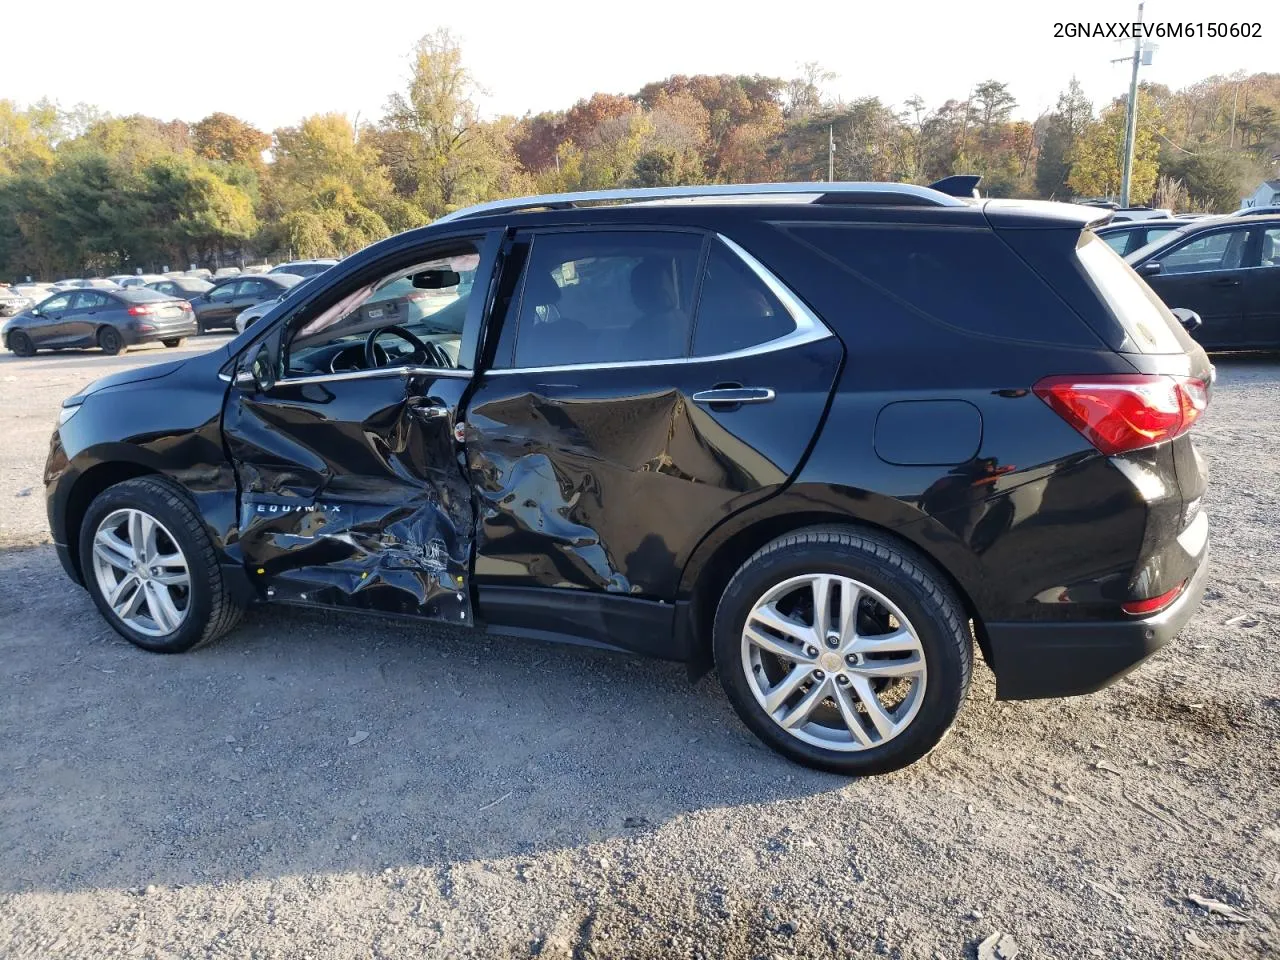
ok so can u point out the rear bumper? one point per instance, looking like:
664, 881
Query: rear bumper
1036, 660
172, 331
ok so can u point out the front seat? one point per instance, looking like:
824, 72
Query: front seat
550, 338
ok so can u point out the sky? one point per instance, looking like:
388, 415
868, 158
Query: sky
273, 63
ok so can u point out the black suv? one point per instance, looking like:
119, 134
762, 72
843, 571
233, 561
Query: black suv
824, 436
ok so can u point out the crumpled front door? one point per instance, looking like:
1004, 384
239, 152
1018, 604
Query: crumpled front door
352, 493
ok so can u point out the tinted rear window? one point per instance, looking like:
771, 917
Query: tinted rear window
1151, 328
963, 278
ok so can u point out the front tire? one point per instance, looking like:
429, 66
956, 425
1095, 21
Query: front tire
110, 341
844, 650
21, 344
150, 566
174, 342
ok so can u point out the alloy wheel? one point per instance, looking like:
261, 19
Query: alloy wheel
141, 572
833, 662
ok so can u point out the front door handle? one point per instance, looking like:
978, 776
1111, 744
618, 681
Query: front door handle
734, 395
429, 411
1227, 282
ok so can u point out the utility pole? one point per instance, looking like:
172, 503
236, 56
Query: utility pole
1131, 126
831, 154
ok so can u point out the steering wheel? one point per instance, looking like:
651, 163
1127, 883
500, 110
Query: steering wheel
422, 352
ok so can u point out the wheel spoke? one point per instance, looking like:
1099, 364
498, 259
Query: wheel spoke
129, 608
900, 641
850, 715
109, 547
909, 667
785, 687
876, 712
821, 606
162, 608
122, 588
798, 714
779, 648
768, 615
142, 533
849, 596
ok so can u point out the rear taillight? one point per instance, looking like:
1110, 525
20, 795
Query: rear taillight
140, 310
1120, 412
1153, 604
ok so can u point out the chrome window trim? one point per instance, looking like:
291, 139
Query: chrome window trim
808, 328
377, 372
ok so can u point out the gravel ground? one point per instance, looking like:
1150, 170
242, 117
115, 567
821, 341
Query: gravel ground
316, 785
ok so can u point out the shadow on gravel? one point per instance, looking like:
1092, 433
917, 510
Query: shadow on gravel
312, 743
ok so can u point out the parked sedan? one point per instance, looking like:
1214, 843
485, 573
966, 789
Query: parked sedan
184, 288
1128, 236
220, 306
305, 268
12, 302
1226, 269
113, 320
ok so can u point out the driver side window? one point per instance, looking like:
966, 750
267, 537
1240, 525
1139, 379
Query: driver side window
412, 317
223, 293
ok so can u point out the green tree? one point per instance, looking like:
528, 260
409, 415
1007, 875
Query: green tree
1097, 157
1062, 128
441, 148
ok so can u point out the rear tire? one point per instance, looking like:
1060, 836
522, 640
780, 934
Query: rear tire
856, 709
178, 558
21, 344
110, 341
174, 342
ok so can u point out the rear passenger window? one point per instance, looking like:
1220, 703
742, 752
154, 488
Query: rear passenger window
959, 277
736, 310
605, 297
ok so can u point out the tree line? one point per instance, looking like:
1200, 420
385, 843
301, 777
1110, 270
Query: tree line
85, 192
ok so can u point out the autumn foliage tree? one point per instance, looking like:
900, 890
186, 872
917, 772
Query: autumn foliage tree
82, 191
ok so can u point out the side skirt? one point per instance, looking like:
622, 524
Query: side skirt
611, 621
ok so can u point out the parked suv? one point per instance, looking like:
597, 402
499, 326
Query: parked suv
826, 437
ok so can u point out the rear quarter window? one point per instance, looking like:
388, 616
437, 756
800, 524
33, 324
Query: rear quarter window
1150, 327
963, 278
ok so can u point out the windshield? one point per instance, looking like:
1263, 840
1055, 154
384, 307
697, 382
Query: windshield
1142, 253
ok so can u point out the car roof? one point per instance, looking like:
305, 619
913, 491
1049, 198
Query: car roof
139, 294
1115, 227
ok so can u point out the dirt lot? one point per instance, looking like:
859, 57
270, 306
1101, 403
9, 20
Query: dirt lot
322, 786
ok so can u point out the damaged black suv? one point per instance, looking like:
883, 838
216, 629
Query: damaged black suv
826, 437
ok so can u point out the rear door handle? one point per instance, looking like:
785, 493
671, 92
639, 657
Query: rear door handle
734, 395
1227, 282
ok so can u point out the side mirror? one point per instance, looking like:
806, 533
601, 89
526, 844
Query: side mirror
260, 374
1189, 319
1150, 268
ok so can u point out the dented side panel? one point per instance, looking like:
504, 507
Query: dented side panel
607, 479
350, 495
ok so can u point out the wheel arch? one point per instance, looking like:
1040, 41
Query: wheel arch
723, 551
85, 488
